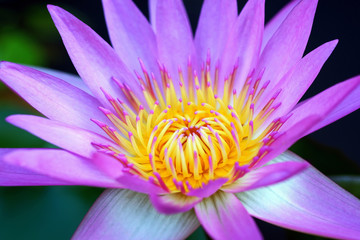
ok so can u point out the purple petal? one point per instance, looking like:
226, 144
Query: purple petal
290, 134
243, 47
276, 21
295, 82
264, 176
174, 36
224, 217
72, 79
209, 189
131, 35
215, 23
61, 165
152, 13
71, 138
308, 202
11, 175
109, 165
327, 102
305, 118
173, 203
339, 100
130, 215
95, 61
287, 45
115, 170
52, 97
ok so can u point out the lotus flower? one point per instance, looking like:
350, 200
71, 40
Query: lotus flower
186, 130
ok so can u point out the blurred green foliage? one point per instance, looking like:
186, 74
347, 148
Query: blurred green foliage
350, 183
12, 136
43, 212
328, 160
18, 46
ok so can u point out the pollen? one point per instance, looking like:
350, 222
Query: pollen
187, 135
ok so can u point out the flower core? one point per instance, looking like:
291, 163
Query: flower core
189, 135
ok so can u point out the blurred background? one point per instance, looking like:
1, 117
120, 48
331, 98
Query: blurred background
28, 36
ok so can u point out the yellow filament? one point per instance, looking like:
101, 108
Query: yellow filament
189, 136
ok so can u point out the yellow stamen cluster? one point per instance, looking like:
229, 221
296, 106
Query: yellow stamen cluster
189, 135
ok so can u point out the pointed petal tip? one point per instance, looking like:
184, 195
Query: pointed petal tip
336, 41
10, 119
173, 203
298, 168
333, 43
57, 12
209, 189
52, 8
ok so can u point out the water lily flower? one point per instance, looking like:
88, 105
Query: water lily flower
186, 130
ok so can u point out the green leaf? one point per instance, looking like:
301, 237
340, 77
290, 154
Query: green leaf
351, 183
199, 234
11, 136
43, 212
19, 46
328, 160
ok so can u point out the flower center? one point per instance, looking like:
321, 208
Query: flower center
188, 135
192, 145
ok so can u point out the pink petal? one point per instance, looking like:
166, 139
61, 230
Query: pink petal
72, 79
173, 203
308, 202
276, 21
52, 97
339, 100
174, 36
299, 78
11, 175
266, 175
224, 217
215, 23
131, 35
71, 138
209, 189
152, 13
305, 118
288, 136
108, 165
287, 45
243, 47
129, 215
95, 61
115, 170
62, 165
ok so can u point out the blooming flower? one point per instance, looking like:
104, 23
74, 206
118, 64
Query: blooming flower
186, 130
